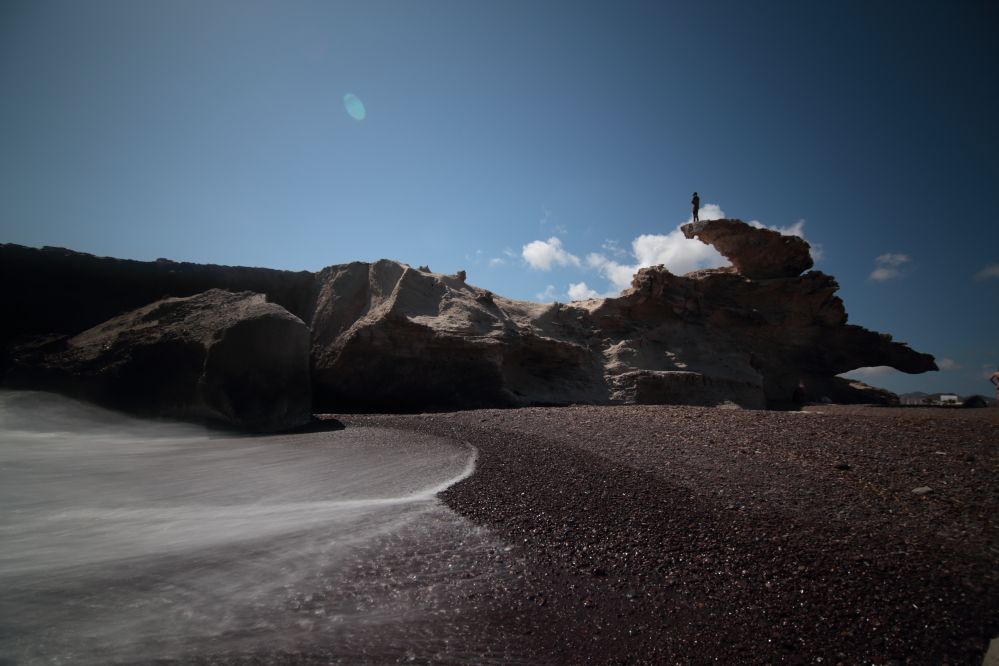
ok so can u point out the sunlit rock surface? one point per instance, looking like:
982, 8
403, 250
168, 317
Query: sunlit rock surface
388, 337
227, 356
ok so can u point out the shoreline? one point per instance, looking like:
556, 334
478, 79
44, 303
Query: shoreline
668, 534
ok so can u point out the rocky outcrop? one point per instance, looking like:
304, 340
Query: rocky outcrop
768, 336
756, 253
386, 336
228, 357
389, 337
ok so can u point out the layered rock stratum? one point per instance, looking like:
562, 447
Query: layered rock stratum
389, 337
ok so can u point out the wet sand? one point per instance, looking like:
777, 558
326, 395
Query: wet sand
652, 534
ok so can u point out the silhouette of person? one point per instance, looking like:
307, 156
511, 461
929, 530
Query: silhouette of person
696, 203
994, 378
798, 395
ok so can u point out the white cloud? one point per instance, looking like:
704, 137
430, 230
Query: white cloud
496, 261
889, 266
948, 364
542, 255
990, 271
867, 373
708, 212
548, 294
796, 229
561, 229
578, 291
674, 250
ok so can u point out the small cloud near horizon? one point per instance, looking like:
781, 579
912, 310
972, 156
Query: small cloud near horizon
990, 271
548, 294
578, 291
889, 266
867, 373
948, 364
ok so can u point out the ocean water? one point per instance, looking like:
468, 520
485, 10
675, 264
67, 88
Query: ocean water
132, 541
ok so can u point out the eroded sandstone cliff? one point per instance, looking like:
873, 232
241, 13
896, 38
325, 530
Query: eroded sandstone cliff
386, 336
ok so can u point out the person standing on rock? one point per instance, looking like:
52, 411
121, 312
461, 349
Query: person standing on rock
696, 203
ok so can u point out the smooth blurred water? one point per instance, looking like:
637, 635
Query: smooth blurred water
130, 541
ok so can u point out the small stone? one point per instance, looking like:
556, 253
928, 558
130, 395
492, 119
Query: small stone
922, 490
842, 466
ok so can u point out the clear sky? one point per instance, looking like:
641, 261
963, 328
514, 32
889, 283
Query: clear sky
547, 148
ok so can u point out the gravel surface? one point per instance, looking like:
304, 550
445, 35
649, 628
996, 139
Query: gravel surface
668, 534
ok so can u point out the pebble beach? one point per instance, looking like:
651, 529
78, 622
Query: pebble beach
673, 534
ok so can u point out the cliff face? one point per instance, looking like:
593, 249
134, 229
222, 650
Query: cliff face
55, 290
386, 336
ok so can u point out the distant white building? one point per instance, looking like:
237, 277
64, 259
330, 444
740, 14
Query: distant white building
949, 399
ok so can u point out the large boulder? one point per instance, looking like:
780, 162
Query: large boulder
390, 337
224, 356
755, 252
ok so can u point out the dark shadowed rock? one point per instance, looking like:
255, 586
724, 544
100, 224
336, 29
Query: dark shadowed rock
843, 391
231, 357
974, 402
756, 253
55, 290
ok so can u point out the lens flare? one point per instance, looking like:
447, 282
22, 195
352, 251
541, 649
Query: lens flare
354, 106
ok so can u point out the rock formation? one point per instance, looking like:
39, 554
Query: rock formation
388, 337
758, 254
229, 357
385, 336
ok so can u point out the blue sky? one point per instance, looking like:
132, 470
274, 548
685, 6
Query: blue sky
217, 131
